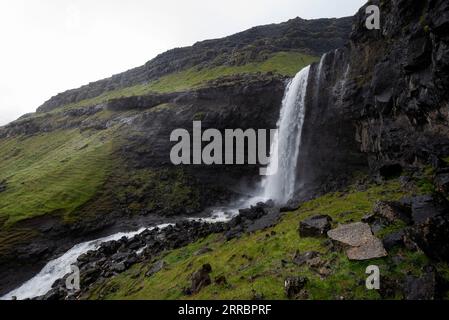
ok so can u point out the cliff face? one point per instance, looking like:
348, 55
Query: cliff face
381, 101
313, 37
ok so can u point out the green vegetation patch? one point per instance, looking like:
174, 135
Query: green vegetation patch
51, 172
259, 263
284, 63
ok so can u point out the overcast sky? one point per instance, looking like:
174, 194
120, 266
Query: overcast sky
49, 46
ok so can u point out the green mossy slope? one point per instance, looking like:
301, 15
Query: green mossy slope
260, 262
284, 63
51, 172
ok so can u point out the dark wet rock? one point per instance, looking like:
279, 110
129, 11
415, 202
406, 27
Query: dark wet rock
316, 226
202, 251
431, 237
427, 207
389, 288
270, 219
420, 288
294, 286
390, 211
390, 171
118, 267
392, 240
54, 294
441, 181
201, 279
430, 231
221, 280
301, 259
155, 268
292, 205
256, 296
314, 261
258, 217
3, 186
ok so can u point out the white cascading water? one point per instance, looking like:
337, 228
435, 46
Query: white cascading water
58, 268
41, 283
280, 187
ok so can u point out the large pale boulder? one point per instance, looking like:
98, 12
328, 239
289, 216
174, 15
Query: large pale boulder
360, 242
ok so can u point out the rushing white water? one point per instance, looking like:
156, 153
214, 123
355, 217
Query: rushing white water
280, 186
56, 269
40, 284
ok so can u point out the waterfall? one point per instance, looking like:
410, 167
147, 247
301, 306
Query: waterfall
280, 186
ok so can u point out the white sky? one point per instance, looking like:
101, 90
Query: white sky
49, 46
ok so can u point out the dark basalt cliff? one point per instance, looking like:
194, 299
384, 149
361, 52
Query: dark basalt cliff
313, 37
381, 101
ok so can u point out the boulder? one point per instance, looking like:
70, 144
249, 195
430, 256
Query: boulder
301, 259
428, 206
420, 288
294, 286
441, 181
391, 211
370, 249
432, 237
359, 241
3, 186
268, 220
221, 280
202, 251
394, 239
119, 267
201, 279
292, 205
354, 234
155, 268
316, 226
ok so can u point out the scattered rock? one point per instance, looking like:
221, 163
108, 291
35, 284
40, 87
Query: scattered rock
391, 211
420, 288
394, 239
292, 205
119, 267
268, 220
294, 286
258, 217
441, 181
316, 226
201, 279
256, 295
3, 186
202, 251
430, 215
432, 237
390, 171
155, 268
221, 280
300, 259
428, 206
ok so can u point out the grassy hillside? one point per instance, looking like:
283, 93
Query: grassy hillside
260, 262
51, 172
285, 63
